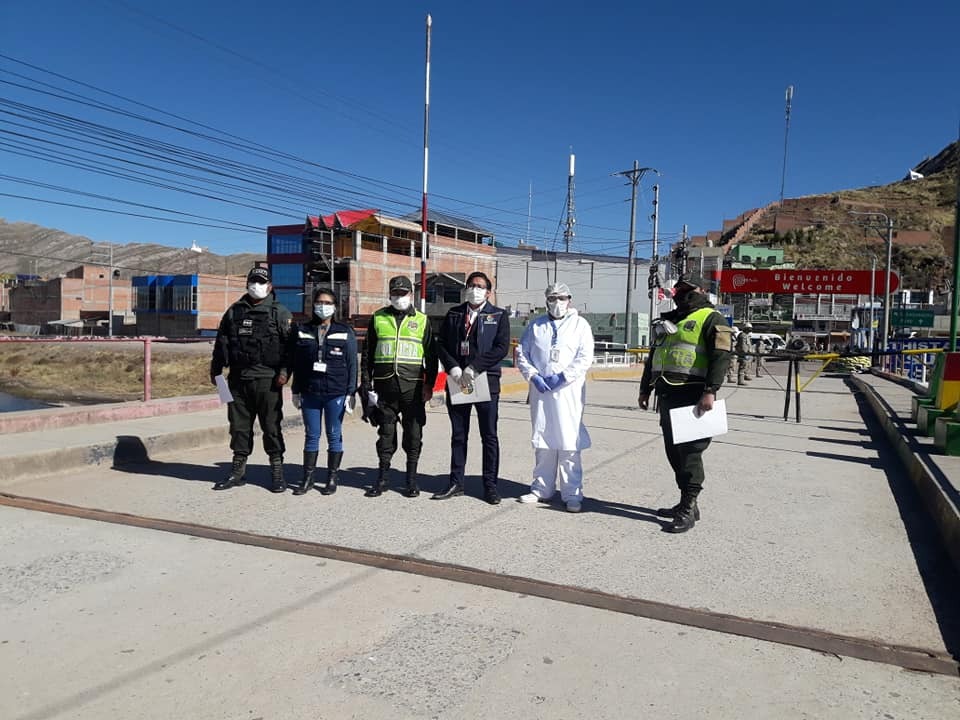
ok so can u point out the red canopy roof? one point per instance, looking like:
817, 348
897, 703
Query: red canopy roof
340, 219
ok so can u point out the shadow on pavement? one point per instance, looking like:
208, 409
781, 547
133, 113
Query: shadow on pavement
940, 577
866, 443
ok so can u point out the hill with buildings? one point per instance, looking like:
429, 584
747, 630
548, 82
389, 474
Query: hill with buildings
34, 250
822, 231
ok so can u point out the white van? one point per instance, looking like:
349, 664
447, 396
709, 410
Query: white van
767, 342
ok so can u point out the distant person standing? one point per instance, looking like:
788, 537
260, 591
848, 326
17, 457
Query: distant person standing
323, 353
474, 338
252, 342
554, 355
689, 359
400, 365
744, 346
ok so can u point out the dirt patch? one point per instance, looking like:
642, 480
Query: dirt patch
99, 372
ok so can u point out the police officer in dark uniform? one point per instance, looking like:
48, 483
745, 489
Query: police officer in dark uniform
252, 341
474, 338
689, 359
400, 365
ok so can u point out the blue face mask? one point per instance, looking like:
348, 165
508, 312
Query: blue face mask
323, 311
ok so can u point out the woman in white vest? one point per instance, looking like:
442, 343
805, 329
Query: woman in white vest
554, 355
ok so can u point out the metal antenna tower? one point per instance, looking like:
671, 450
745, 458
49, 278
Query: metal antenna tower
786, 136
568, 231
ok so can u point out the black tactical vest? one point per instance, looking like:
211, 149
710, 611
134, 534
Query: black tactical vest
254, 337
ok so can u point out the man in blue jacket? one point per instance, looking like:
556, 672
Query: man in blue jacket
474, 338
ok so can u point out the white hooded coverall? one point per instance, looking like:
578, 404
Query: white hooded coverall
557, 416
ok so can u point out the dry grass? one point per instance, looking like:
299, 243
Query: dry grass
97, 372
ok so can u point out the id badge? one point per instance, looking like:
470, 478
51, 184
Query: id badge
554, 355
320, 367
464, 347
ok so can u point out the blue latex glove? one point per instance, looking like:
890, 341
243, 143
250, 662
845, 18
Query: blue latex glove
539, 384
554, 381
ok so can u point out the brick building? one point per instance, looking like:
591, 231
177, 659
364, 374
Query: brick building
358, 251
78, 301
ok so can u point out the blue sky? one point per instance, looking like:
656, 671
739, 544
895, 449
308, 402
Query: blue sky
695, 90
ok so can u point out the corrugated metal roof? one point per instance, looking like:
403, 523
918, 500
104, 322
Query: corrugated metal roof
397, 223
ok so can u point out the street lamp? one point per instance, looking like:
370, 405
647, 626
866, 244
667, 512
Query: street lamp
885, 330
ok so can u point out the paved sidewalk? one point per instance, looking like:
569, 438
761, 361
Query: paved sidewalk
812, 524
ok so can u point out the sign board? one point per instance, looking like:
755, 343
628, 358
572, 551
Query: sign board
913, 365
904, 317
826, 282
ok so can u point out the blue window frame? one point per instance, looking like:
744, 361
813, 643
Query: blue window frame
287, 275
291, 299
286, 244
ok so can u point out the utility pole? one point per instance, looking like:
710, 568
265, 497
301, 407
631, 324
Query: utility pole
568, 231
885, 329
955, 295
634, 176
526, 238
655, 257
110, 297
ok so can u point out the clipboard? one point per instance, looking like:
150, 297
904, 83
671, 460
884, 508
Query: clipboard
688, 426
478, 392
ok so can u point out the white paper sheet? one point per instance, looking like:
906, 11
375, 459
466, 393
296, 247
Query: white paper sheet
687, 425
479, 392
223, 391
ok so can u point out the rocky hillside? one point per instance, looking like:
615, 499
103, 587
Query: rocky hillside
819, 231
35, 250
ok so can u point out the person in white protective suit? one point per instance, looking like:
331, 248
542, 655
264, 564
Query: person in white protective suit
554, 355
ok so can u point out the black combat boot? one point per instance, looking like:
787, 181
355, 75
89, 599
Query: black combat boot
333, 472
309, 466
237, 476
490, 494
684, 517
380, 485
672, 511
276, 474
412, 490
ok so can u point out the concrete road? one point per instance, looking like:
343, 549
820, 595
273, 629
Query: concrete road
102, 621
809, 524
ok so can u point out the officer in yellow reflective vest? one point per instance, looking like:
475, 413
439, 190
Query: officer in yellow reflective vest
400, 365
690, 357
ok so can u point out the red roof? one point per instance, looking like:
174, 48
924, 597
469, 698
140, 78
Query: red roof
340, 219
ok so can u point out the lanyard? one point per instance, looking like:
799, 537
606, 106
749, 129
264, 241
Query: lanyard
321, 336
468, 323
553, 327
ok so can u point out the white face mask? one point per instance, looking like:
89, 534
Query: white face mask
400, 302
323, 311
258, 291
476, 295
558, 308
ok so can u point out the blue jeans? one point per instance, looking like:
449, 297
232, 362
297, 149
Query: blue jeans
330, 408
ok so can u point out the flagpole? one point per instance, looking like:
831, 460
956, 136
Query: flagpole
426, 164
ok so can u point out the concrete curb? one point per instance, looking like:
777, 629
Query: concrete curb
123, 450
59, 417
935, 497
133, 448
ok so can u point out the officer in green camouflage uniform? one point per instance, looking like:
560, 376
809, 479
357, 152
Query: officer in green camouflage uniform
688, 362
